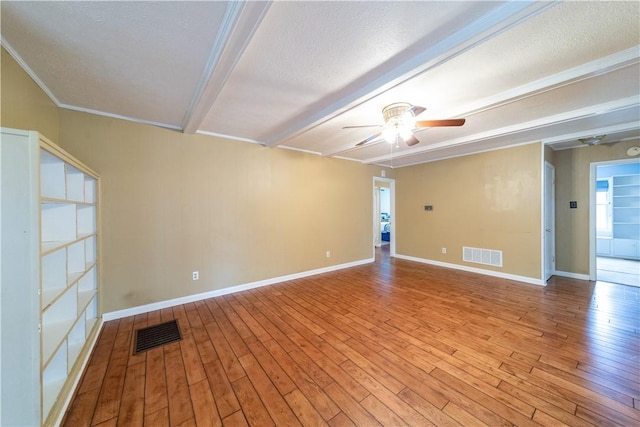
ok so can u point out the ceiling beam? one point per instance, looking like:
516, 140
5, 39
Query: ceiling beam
411, 64
581, 72
566, 117
240, 23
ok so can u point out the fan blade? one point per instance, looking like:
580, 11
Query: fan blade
361, 126
371, 138
437, 123
417, 110
412, 141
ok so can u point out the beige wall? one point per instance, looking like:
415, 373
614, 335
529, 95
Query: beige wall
572, 183
549, 155
24, 105
490, 200
236, 212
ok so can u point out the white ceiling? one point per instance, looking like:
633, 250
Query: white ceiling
294, 73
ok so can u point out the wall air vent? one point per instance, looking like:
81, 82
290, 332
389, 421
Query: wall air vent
482, 256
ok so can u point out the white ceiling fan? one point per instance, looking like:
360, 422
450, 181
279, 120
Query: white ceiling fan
598, 140
399, 123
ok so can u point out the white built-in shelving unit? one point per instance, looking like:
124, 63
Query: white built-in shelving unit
626, 216
50, 277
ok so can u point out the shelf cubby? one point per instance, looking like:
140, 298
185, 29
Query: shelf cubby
90, 251
54, 275
52, 176
75, 184
57, 320
75, 261
53, 378
89, 189
75, 341
86, 215
91, 313
58, 222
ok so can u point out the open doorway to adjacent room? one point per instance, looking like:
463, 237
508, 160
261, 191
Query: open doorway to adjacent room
617, 221
383, 214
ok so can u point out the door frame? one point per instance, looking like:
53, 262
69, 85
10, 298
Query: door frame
549, 230
593, 177
376, 215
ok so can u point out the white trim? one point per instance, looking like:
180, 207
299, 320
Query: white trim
548, 209
571, 275
593, 174
76, 381
525, 279
118, 116
286, 147
226, 291
392, 208
225, 136
28, 70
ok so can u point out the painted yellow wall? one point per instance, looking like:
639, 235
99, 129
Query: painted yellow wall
24, 105
572, 183
236, 212
489, 200
549, 155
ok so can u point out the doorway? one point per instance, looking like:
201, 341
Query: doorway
549, 243
615, 207
384, 214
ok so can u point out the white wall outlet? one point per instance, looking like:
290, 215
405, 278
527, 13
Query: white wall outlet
328, 254
196, 275
444, 250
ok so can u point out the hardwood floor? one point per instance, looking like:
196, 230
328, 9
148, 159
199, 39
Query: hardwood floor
618, 270
390, 343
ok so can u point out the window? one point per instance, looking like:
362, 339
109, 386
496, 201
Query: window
604, 216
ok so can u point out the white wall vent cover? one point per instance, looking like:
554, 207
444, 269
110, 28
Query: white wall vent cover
482, 256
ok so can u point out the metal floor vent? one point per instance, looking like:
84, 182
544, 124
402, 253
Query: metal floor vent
155, 336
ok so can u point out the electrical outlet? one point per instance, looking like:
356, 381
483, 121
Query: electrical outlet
196, 275
328, 254
444, 250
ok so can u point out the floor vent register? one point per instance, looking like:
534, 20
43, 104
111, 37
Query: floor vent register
156, 336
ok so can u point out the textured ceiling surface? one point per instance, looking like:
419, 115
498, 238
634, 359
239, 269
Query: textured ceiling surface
293, 74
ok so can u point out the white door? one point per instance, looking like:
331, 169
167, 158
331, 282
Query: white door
549, 221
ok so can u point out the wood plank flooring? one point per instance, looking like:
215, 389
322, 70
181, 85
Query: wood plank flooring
618, 270
390, 343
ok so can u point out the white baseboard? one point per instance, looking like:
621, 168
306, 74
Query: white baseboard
226, 291
525, 279
571, 275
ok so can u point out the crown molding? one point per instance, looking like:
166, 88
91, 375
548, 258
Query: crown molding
28, 70
119, 116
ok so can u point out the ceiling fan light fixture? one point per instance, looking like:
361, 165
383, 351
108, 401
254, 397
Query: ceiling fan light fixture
389, 133
592, 140
399, 122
